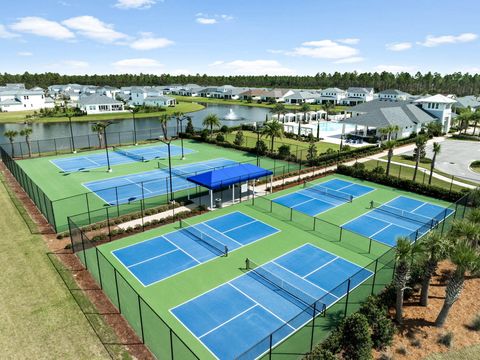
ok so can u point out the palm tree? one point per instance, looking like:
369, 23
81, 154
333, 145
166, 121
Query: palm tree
99, 129
389, 145
466, 230
436, 248
27, 132
436, 150
164, 119
420, 141
476, 119
462, 120
272, 129
279, 110
177, 115
11, 134
404, 253
466, 259
211, 121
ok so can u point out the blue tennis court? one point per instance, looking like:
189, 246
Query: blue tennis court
123, 189
317, 198
402, 216
156, 259
85, 162
247, 309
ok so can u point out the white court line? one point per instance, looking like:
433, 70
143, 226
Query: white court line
318, 268
239, 226
303, 277
155, 257
218, 232
225, 322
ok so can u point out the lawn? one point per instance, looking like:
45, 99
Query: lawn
69, 195
38, 316
295, 145
183, 286
19, 117
246, 103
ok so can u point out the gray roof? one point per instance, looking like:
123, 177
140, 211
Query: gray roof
334, 89
10, 102
97, 99
467, 101
359, 90
403, 115
392, 92
377, 104
159, 98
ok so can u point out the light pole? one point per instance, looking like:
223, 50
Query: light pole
257, 131
69, 115
170, 170
132, 110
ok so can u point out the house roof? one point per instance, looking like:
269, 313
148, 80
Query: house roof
274, 93
333, 89
392, 92
302, 95
467, 101
376, 104
10, 102
158, 98
253, 92
360, 90
96, 99
439, 98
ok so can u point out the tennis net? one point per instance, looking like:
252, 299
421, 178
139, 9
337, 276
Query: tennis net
424, 220
203, 237
278, 282
329, 192
128, 154
175, 171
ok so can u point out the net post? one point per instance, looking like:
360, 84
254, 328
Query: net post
271, 205
270, 347
346, 300
314, 223
313, 325
226, 250
370, 245
371, 204
341, 234
291, 214
374, 276
247, 264
116, 200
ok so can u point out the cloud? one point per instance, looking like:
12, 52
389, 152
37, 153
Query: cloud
253, 67
95, 29
349, 41
395, 68
401, 46
432, 41
134, 4
350, 60
139, 65
42, 27
216, 63
206, 21
323, 49
24, 53
148, 42
5, 34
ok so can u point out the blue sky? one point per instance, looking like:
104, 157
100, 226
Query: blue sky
239, 37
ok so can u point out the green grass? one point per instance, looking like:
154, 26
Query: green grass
246, 103
295, 145
405, 172
468, 353
179, 288
425, 164
19, 117
475, 166
39, 319
57, 185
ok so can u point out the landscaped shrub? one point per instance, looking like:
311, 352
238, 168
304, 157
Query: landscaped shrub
446, 339
284, 151
382, 327
356, 340
239, 138
220, 137
475, 324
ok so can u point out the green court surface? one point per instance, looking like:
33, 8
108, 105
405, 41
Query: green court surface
70, 197
160, 297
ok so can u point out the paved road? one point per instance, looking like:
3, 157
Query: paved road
456, 156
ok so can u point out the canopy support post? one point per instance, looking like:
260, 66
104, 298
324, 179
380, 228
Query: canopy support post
211, 199
233, 193
271, 184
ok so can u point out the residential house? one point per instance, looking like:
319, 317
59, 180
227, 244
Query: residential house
439, 106
393, 94
14, 97
159, 101
252, 94
301, 97
332, 95
357, 95
276, 95
466, 102
139, 94
99, 104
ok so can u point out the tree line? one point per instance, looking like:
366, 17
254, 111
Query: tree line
456, 83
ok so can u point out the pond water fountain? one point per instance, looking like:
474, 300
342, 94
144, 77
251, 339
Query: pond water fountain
232, 116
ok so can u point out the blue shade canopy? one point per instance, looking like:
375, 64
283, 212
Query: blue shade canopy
217, 179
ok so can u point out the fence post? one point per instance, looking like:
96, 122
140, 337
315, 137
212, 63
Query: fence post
374, 276
142, 206
98, 267
341, 233
55, 146
116, 200
291, 214
400, 171
88, 208
346, 300
314, 223
116, 288
270, 347
451, 185
313, 325
141, 318
171, 344
108, 225
370, 245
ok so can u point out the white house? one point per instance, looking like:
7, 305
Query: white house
99, 104
300, 97
14, 97
276, 95
439, 106
332, 95
358, 95
393, 94
139, 94
159, 101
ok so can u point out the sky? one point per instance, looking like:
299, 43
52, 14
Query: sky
248, 37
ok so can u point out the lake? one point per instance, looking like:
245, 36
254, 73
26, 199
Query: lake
247, 114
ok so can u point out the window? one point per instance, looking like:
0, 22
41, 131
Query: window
116, 107
103, 108
92, 107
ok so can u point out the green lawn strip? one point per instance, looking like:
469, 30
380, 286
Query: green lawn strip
14, 117
186, 285
407, 173
36, 309
426, 165
468, 353
58, 185
475, 166
295, 145
198, 99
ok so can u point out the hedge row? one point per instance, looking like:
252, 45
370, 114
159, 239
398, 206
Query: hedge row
358, 171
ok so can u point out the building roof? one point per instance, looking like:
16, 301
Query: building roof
376, 104
253, 92
275, 93
10, 102
392, 92
360, 90
96, 99
333, 89
439, 98
158, 98
467, 101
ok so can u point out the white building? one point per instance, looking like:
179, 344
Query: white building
139, 94
332, 95
393, 94
439, 106
14, 97
358, 95
99, 104
159, 101
301, 97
